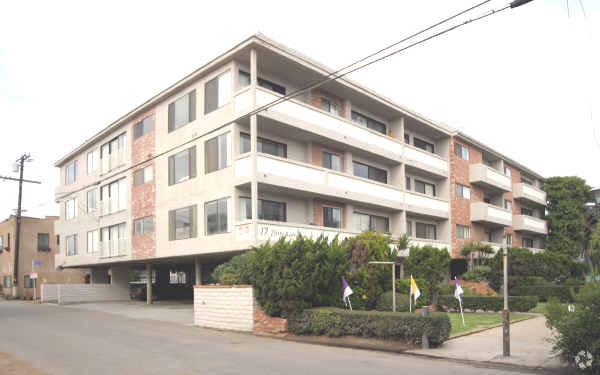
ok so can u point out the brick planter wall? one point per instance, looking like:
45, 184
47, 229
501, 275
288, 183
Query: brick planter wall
267, 325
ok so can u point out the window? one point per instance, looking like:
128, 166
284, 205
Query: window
183, 223
332, 161
267, 210
113, 197
367, 171
419, 143
182, 111
27, 282
143, 226
526, 211
264, 145
182, 166
368, 122
92, 241
216, 216
526, 180
409, 231
142, 176
111, 240
72, 245
365, 222
329, 106
508, 205
71, 209
92, 201
58, 239
332, 217
407, 138
43, 241
112, 153
509, 239
461, 151
217, 153
6, 282
426, 231
463, 231
143, 127
407, 183
425, 188
245, 81
527, 242
71, 172
488, 235
463, 191
507, 171
92, 161
217, 92
1, 244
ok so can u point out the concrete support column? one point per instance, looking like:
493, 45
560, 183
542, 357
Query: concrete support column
348, 163
310, 211
397, 128
347, 109
402, 269
253, 146
348, 223
149, 283
198, 271
309, 157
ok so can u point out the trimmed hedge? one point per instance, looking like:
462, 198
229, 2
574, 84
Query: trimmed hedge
489, 303
384, 302
545, 291
336, 322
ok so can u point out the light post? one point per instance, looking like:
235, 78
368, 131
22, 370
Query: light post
505, 312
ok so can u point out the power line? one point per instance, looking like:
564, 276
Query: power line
330, 77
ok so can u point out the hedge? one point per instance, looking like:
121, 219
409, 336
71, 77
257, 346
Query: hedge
407, 327
489, 303
546, 291
384, 302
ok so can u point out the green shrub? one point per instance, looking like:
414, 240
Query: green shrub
384, 302
489, 303
432, 265
403, 287
234, 272
527, 281
478, 274
449, 290
335, 322
545, 291
579, 330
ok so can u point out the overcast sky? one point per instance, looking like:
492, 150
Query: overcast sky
525, 82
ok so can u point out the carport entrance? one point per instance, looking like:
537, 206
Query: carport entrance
180, 312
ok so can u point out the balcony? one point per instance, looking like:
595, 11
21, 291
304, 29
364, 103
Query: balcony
486, 177
426, 160
529, 194
114, 160
529, 224
114, 248
491, 215
110, 206
425, 204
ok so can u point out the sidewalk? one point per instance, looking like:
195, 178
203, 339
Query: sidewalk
528, 346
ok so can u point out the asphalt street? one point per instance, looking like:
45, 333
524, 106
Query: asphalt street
60, 340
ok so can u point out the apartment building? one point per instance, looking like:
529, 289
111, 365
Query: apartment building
37, 251
193, 176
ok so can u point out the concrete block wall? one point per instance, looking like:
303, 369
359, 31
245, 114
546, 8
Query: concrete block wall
49, 293
78, 293
224, 307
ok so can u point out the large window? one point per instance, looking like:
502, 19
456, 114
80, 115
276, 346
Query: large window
526, 211
92, 200
92, 241
332, 161
368, 122
71, 245
332, 217
217, 153
113, 196
426, 231
111, 239
182, 111
367, 171
329, 106
217, 92
461, 151
509, 239
527, 242
183, 223
507, 171
424, 187
365, 222
267, 210
112, 153
143, 225
263, 145
143, 175
93, 157
216, 216
43, 241
245, 81
462, 191
508, 205
71, 172
463, 231
71, 209
182, 166
142, 127
419, 143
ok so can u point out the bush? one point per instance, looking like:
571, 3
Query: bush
403, 287
579, 330
546, 291
384, 302
407, 327
446, 290
489, 303
234, 272
478, 274
431, 264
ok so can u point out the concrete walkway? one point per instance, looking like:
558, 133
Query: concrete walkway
529, 346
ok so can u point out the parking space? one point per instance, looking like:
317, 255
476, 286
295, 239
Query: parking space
172, 311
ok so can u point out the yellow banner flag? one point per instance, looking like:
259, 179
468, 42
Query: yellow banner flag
414, 289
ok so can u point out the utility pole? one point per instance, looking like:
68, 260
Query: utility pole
505, 312
20, 164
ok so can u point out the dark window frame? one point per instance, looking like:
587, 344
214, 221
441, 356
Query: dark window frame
424, 145
371, 172
369, 122
147, 225
192, 212
424, 227
139, 176
327, 216
208, 147
40, 244
143, 127
327, 160
191, 111
458, 151
425, 184
68, 178
264, 83
220, 226
191, 166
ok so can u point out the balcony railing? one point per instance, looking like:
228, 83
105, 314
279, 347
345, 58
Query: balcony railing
529, 193
481, 174
524, 223
114, 160
425, 204
110, 206
426, 160
114, 248
490, 214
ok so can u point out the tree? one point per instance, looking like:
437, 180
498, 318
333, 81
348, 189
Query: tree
566, 198
431, 264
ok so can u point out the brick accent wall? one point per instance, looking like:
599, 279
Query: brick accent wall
224, 307
267, 325
143, 197
318, 211
317, 155
315, 100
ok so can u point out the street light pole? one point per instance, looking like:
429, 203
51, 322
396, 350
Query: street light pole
505, 312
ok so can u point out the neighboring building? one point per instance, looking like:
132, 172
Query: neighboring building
336, 160
38, 244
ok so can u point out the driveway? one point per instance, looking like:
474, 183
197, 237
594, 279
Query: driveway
61, 340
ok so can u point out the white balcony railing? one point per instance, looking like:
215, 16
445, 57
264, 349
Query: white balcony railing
114, 160
110, 206
529, 193
529, 224
488, 213
114, 248
427, 159
426, 204
483, 175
